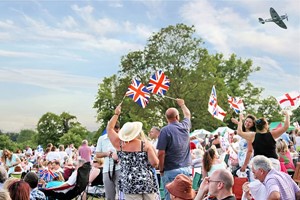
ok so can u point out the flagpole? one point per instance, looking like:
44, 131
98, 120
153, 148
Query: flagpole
122, 100
169, 97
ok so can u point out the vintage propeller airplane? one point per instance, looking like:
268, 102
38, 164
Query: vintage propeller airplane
275, 18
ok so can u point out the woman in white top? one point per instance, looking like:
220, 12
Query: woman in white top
211, 162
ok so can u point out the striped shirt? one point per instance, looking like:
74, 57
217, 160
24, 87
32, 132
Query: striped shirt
282, 183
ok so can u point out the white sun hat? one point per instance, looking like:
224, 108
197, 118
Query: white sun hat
130, 130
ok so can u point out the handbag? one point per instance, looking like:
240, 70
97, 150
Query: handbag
197, 181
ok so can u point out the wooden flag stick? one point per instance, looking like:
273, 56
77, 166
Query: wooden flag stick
122, 100
169, 97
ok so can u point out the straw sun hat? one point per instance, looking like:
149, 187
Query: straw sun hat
130, 130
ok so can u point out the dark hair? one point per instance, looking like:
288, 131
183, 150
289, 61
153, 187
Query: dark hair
32, 179
260, 123
208, 157
253, 118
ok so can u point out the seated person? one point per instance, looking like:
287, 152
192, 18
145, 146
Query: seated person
68, 168
32, 179
71, 181
181, 188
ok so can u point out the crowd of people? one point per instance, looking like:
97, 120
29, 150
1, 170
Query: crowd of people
162, 164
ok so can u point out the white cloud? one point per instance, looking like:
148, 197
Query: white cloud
33, 107
49, 79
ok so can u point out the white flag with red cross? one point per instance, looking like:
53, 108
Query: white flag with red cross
289, 100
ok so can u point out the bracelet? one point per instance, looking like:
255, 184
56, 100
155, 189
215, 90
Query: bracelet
110, 154
116, 114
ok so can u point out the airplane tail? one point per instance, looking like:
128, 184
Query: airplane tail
261, 20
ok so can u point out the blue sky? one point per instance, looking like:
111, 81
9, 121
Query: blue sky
53, 54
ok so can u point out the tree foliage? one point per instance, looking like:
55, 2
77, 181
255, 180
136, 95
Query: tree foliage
192, 71
27, 137
6, 143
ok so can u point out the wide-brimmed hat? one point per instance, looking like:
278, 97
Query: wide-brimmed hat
130, 130
181, 187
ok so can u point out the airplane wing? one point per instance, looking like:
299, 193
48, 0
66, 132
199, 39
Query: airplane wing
277, 19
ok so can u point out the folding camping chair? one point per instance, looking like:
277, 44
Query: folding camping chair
82, 181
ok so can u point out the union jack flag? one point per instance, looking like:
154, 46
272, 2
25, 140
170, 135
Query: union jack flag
212, 103
159, 83
213, 98
217, 112
47, 175
138, 92
291, 99
236, 104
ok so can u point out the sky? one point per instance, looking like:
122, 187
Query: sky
54, 54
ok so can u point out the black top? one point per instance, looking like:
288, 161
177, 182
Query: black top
264, 144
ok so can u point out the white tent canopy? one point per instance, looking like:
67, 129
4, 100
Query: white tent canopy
200, 133
223, 130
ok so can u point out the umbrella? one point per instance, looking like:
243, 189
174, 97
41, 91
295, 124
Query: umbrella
47, 175
200, 132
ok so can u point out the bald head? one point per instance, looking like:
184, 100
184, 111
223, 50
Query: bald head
172, 114
225, 176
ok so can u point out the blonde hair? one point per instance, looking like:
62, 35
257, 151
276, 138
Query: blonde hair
4, 195
281, 146
9, 182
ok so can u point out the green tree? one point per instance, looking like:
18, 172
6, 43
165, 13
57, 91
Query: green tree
269, 109
6, 143
67, 121
192, 71
50, 128
296, 115
27, 137
75, 135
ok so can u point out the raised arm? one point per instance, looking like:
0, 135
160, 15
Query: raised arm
278, 132
111, 133
185, 110
152, 157
249, 136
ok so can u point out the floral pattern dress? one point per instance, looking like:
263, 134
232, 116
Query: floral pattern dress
137, 175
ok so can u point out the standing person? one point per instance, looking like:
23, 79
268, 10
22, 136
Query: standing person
263, 140
153, 134
85, 151
69, 150
111, 168
279, 185
137, 158
219, 185
174, 146
245, 147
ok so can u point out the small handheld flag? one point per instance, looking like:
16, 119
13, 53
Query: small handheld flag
289, 100
217, 113
236, 104
213, 98
159, 83
138, 92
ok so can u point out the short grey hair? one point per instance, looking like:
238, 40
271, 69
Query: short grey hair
261, 162
156, 128
3, 174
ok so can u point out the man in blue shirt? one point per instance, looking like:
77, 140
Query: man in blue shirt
174, 146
